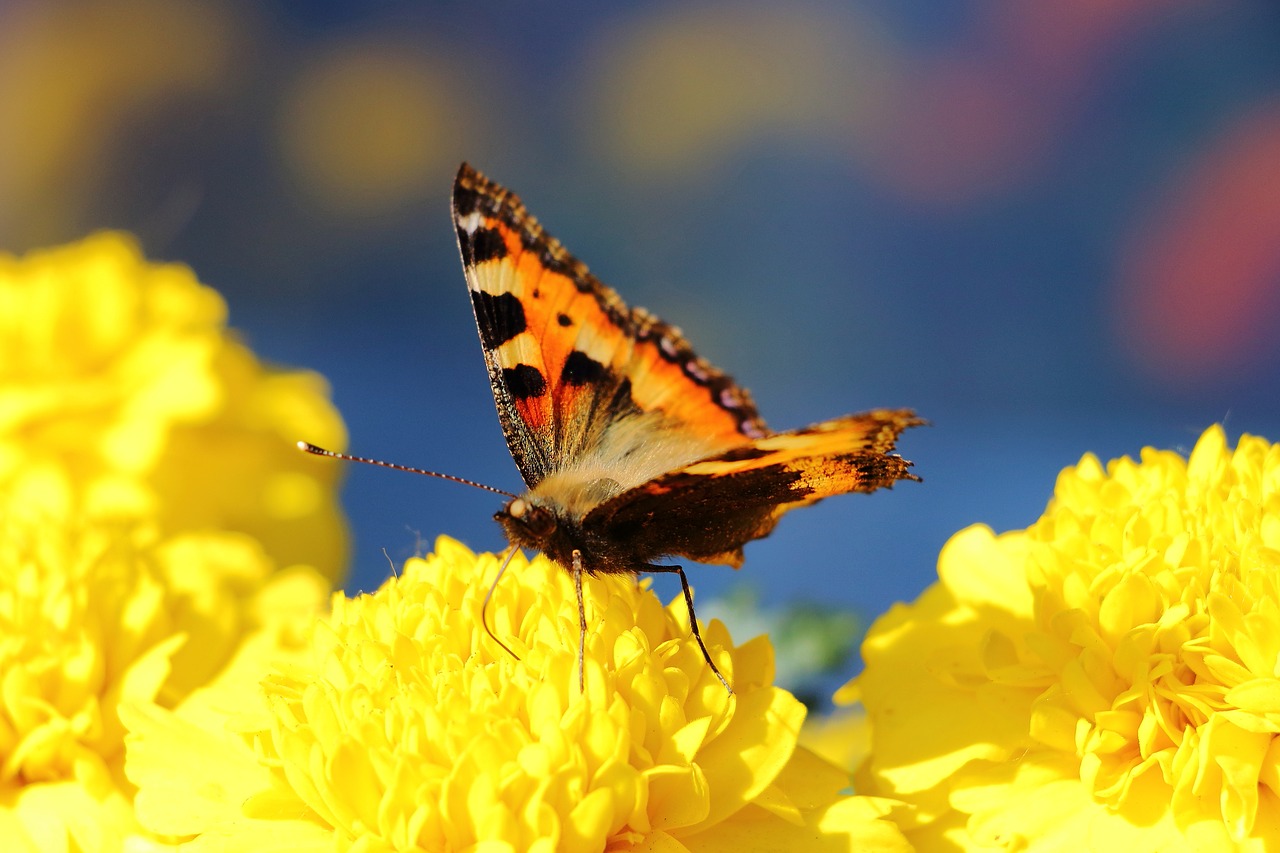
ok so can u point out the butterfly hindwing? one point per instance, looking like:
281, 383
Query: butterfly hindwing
709, 509
579, 379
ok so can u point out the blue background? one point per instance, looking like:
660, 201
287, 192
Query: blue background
1050, 228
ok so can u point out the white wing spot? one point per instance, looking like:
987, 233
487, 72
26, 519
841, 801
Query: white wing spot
696, 369
471, 222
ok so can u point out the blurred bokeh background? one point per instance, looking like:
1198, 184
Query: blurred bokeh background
1052, 228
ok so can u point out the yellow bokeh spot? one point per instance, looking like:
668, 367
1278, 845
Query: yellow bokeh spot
72, 77
368, 128
677, 93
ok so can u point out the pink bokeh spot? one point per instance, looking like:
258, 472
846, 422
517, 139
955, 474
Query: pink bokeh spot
965, 129
982, 116
1197, 293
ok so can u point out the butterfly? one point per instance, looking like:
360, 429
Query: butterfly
632, 447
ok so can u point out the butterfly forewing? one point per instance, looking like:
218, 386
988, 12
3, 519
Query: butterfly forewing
581, 382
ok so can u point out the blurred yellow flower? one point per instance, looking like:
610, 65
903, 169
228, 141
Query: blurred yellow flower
140, 536
842, 737
120, 378
1105, 679
93, 615
406, 727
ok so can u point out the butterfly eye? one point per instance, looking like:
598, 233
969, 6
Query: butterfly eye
536, 519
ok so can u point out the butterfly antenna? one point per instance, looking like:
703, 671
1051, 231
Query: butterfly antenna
484, 606
308, 447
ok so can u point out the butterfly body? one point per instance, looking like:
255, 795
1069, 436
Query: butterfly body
633, 448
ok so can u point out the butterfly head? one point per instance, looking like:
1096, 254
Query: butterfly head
528, 523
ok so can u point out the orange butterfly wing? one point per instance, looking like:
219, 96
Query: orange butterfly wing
709, 509
567, 359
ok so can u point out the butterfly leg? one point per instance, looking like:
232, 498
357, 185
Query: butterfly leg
693, 618
582, 619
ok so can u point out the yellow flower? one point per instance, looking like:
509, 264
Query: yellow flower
405, 727
842, 737
93, 615
119, 377
148, 495
1105, 679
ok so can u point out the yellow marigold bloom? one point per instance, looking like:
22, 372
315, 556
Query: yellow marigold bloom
93, 615
149, 493
842, 737
1106, 679
405, 727
120, 377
